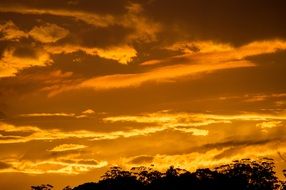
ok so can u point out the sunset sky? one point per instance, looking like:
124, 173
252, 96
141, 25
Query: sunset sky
89, 84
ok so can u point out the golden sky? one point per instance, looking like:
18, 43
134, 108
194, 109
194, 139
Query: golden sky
89, 84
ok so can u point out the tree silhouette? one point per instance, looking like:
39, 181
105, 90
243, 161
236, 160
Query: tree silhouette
42, 187
242, 174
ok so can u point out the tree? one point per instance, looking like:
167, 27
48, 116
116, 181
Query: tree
242, 174
42, 187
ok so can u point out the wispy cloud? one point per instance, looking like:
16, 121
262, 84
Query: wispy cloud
192, 119
11, 62
48, 33
9, 31
143, 28
90, 18
48, 115
210, 158
122, 53
67, 147
210, 57
67, 165
37, 134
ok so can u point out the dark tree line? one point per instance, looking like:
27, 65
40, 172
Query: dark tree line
242, 174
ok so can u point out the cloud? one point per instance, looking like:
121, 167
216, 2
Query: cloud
255, 97
157, 75
88, 111
67, 165
90, 18
188, 122
144, 29
122, 53
186, 20
4, 165
83, 114
37, 134
191, 119
211, 158
209, 57
14, 60
10, 31
141, 159
48, 33
67, 147
268, 125
185, 123
193, 47
48, 115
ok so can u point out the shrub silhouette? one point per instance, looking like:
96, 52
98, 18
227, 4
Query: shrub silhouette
242, 174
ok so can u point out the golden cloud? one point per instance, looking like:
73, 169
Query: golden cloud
10, 63
195, 160
144, 28
88, 111
269, 124
157, 75
48, 33
67, 147
48, 115
67, 165
185, 122
210, 58
37, 134
90, 18
83, 114
10, 31
123, 54
192, 119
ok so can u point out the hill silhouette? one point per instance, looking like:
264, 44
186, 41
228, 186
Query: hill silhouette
242, 174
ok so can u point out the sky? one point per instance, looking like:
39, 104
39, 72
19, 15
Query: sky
90, 84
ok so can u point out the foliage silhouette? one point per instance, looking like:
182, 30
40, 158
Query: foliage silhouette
42, 187
242, 174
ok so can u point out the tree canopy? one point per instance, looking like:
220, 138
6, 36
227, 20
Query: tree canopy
242, 174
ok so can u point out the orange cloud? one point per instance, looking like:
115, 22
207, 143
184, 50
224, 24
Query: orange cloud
123, 54
211, 158
210, 57
86, 113
66, 165
10, 63
90, 18
269, 124
185, 122
10, 31
48, 115
48, 33
67, 147
158, 75
56, 134
144, 28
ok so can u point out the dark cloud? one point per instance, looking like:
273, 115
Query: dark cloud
237, 143
234, 21
99, 37
110, 7
4, 165
25, 52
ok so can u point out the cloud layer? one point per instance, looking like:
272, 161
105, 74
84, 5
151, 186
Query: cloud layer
85, 85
